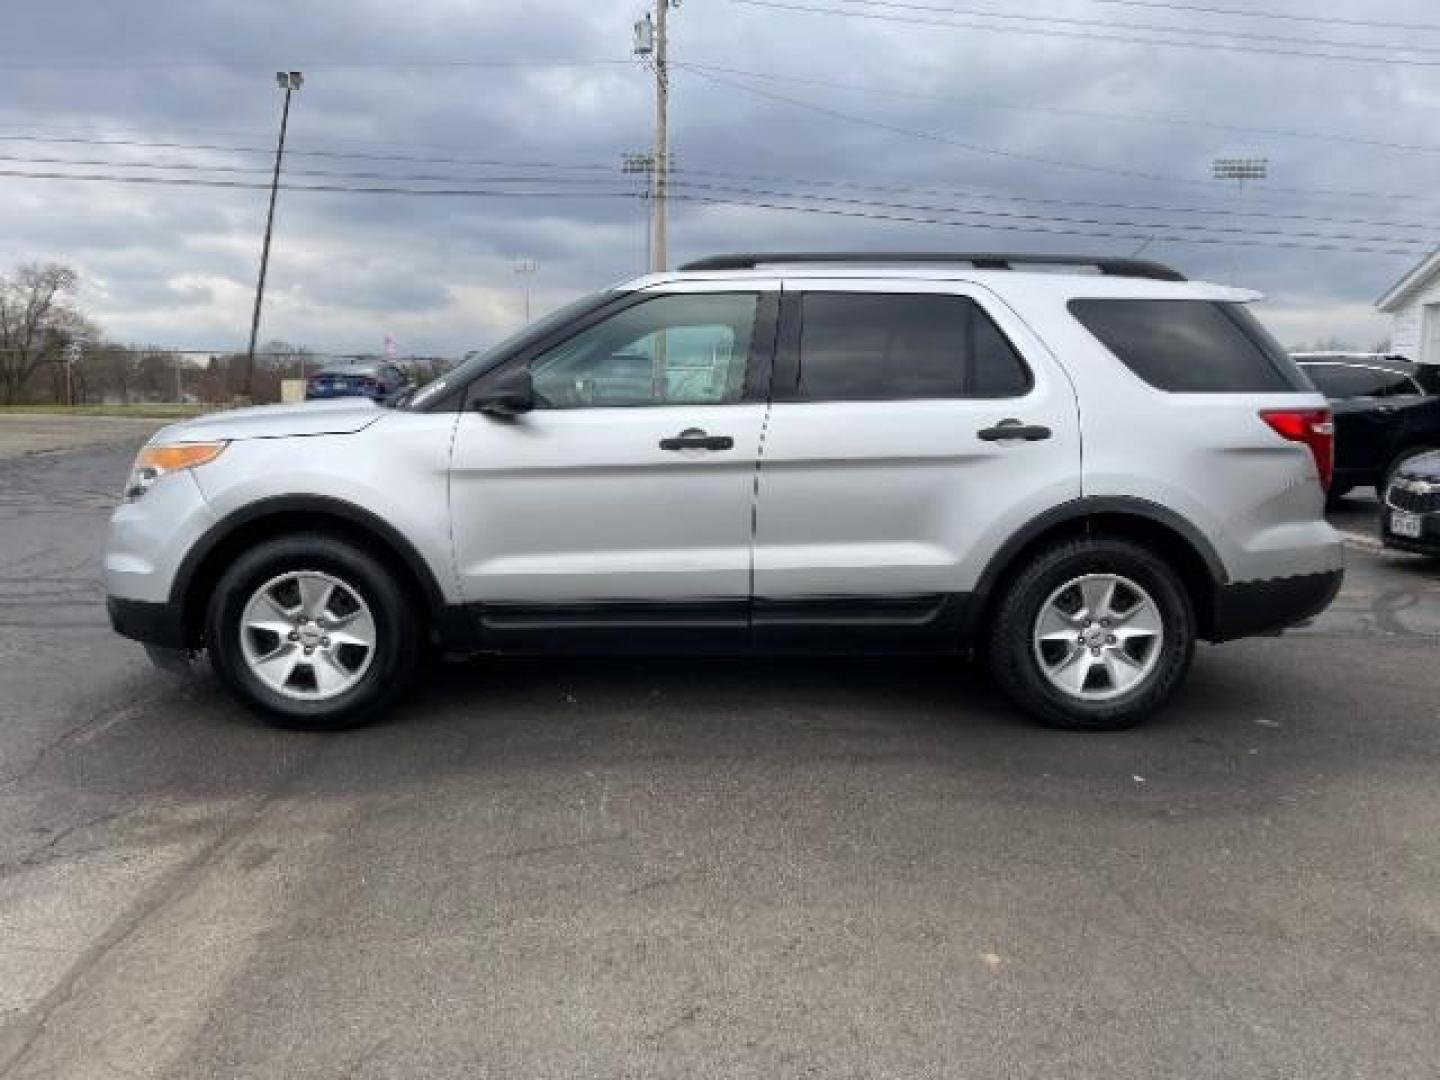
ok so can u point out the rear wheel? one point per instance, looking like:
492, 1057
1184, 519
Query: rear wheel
312, 633
1093, 634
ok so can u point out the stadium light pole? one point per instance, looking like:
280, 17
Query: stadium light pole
289, 81
1239, 170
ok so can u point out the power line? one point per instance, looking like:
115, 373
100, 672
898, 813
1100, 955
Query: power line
1278, 15
260, 170
916, 95
1107, 24
994, 151
1093, 234
973, 218
907, 189
182, 181
1231, 212
705, 71
1108, 38
322, 65
1051, 218
431, 178
337, 154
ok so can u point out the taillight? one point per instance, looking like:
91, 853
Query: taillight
1313, 427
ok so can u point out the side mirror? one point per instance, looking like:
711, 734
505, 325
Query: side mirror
509, 395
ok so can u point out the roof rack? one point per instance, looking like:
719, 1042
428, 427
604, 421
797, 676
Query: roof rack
1115, 267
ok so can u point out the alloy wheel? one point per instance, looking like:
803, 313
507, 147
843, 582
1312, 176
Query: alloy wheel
1098, 636
307, 635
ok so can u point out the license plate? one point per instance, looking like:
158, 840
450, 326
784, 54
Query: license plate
1405, 524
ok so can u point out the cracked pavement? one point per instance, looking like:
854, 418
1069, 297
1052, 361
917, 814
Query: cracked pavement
626, 868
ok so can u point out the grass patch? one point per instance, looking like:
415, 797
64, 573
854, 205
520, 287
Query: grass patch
136, 412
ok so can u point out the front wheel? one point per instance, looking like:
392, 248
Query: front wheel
1093, 634
312, 633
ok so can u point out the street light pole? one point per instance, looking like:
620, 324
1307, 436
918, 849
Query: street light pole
289, 81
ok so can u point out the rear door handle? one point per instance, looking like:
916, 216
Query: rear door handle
1014, 429
695, 439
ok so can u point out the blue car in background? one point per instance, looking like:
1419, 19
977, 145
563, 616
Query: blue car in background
378, 381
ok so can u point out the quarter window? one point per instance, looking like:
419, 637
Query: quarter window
681, 349
899, 346
1194, 346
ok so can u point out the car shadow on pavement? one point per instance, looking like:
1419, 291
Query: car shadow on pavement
1233, 736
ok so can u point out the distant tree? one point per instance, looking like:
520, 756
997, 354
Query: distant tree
1325, 344
37, 321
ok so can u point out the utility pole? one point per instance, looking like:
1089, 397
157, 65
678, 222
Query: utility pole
289, 81
652, 41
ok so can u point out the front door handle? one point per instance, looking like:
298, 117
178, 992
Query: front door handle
695, 439
1014, 429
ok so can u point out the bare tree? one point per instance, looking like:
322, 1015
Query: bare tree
36, 323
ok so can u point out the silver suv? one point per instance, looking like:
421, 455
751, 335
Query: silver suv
1075, 467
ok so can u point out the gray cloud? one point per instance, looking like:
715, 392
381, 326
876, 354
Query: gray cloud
176, 265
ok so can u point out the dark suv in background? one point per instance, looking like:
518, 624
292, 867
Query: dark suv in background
1387, 411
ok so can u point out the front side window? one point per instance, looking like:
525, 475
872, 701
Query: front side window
681, 349
900, 346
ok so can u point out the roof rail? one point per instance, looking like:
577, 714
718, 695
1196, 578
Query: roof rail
1106, 264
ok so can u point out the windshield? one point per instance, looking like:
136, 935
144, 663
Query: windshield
477, 362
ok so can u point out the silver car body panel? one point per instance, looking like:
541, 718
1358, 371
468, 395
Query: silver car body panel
814, 500
864, 498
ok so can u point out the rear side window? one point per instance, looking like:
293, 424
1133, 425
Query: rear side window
896, 346
1191, 346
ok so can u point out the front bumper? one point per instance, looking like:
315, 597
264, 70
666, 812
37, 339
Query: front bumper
1250, 608
161, 624
150, 537
1427, 543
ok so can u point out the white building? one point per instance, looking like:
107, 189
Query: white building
1413, 304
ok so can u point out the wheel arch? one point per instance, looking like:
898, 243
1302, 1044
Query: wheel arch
1156, 527
202, 567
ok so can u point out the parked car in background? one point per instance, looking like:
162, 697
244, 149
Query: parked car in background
828, 452
1411, 517
1387, 410
378, 382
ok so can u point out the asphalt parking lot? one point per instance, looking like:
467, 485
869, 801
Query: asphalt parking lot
711, 868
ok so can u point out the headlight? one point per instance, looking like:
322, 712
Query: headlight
154, 462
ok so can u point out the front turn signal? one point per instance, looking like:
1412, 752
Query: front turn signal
155, 461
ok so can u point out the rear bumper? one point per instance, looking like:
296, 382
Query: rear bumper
161, 624
1248, 608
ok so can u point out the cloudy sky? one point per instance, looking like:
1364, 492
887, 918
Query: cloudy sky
1077, 126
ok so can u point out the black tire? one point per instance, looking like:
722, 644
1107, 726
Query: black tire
398, 632
1012, 649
